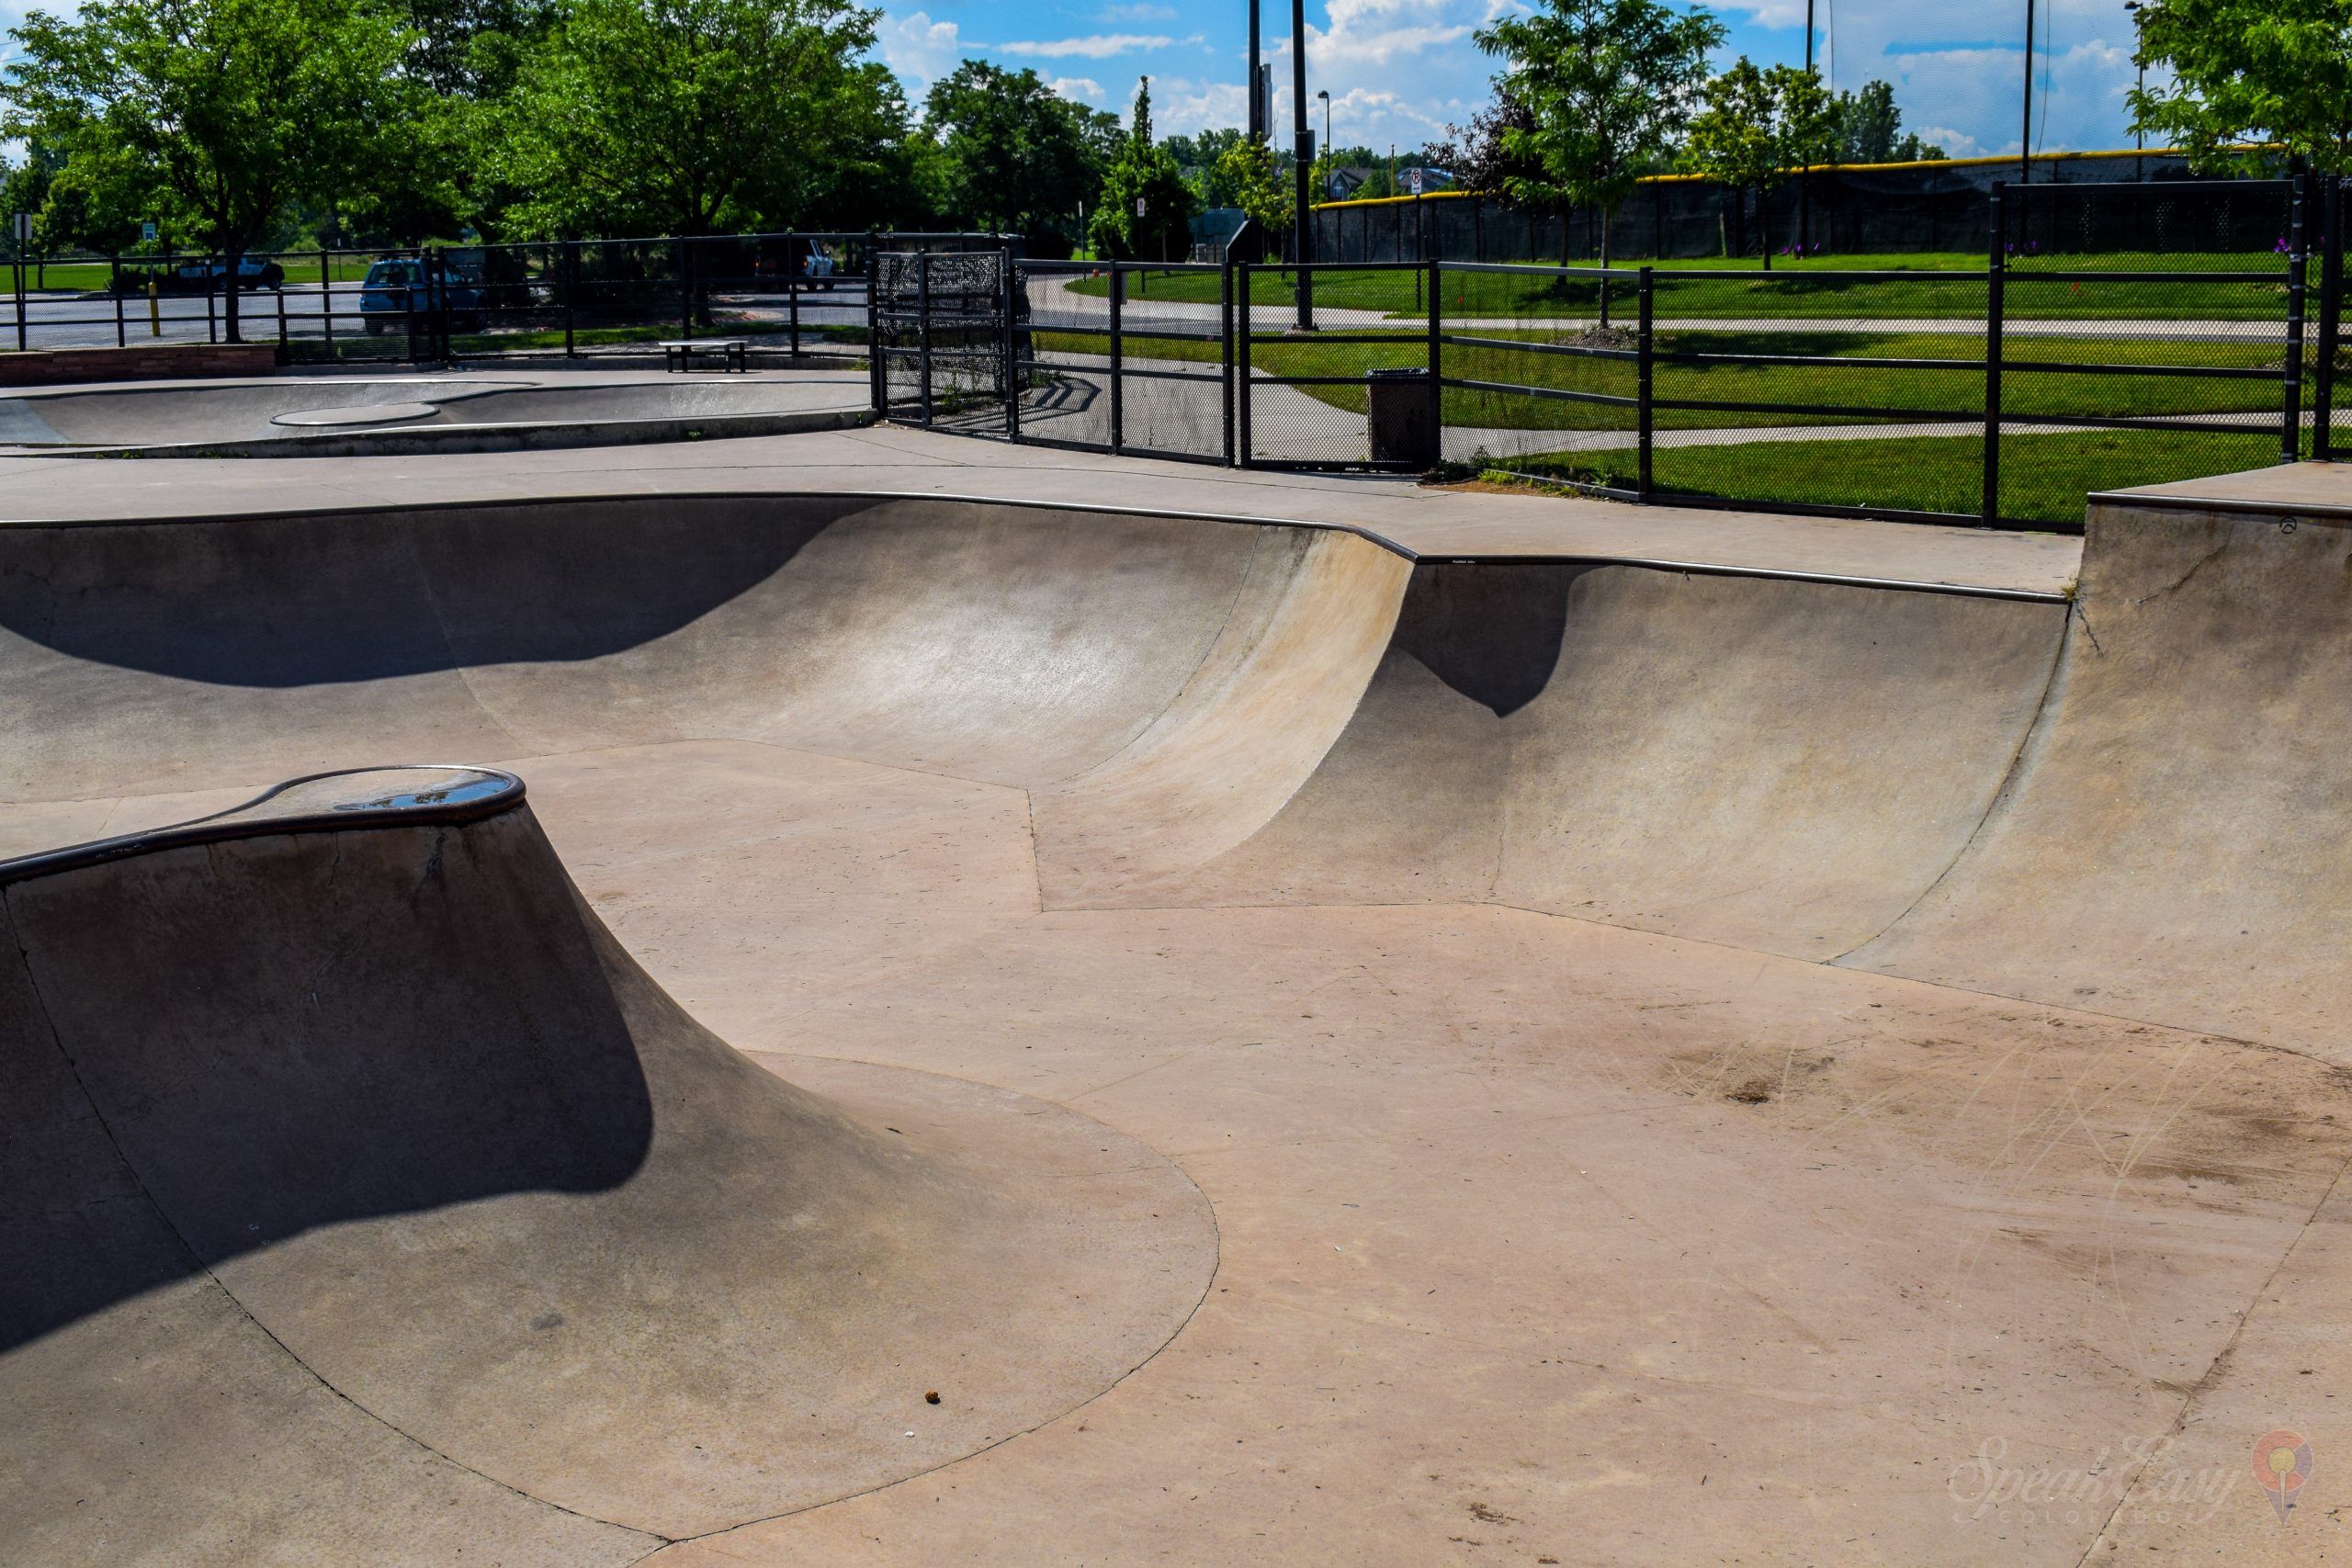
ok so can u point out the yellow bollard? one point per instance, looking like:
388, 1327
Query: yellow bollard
154, 310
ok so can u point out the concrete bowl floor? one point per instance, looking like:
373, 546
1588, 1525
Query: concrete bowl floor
1558, 1221
309, 413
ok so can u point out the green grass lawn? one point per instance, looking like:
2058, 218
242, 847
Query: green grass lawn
2043, 477
1956, 392
1739, 288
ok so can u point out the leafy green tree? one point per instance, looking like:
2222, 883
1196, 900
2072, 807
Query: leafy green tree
230, 109
1017, 156
1144, 211
1247, 170
1758, 128
2254, 83
684, 116
1601, 88
1867, 130
1199, 157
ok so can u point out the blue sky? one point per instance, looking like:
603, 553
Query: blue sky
1399, 70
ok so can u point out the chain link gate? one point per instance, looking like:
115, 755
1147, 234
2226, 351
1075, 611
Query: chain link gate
942, 344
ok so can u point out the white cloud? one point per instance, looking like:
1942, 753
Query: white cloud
1095, 46
918, 48
1085, 89
1137, 13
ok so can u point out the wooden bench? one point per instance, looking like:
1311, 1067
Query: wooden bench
678, 354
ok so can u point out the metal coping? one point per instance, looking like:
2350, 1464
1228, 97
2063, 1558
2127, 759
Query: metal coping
221, 826
2331, 512
1364, 532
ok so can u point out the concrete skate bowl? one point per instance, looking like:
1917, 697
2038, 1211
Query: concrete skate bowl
345, 1124
330, 416
1211, 713
2106, 807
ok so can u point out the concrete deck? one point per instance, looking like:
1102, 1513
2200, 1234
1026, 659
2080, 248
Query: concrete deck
897, 461
1756, 1063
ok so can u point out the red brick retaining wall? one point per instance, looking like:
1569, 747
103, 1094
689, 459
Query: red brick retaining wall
163, 361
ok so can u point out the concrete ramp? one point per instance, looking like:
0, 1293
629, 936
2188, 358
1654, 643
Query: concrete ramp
1781, 766
345, 1143
2177, 844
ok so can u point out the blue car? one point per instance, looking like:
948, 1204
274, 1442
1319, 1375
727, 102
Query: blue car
385, 298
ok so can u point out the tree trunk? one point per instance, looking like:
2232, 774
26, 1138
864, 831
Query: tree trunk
1764, 223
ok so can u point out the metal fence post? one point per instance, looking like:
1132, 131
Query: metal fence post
211, 315
1224, 350
408, 299
875, 374
280, 292
1243, 446
685, 288
1118, 353
1013, 371
1436, 348
114, 286
2331, 289
2290, 429
1645, 381
571, 294
1991, 512
326, 300
922, 330
792, 292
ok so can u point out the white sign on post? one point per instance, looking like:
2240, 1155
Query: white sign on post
23, 228
1138, 206
1413, 178
147, 232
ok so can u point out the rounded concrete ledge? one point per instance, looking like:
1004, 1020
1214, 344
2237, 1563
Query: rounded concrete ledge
357, 414
370, 1152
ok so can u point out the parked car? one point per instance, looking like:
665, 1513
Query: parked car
395, 291
202, 277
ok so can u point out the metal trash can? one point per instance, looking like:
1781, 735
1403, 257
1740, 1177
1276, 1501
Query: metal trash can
1402, 406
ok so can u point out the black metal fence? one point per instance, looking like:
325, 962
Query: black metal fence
786, 293
1995, 394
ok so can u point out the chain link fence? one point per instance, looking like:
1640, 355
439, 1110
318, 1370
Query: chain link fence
2097, 340
786, 295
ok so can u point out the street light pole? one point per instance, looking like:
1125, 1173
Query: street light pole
1804, 179
1326, 95
2025, 139
1302, 159
2139, 61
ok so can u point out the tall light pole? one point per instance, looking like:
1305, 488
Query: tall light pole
1326, 95
1805, 179
2139, 61
2025, 139
1302, 159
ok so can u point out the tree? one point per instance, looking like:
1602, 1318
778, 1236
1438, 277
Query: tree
683, 117
1597, 91
1144, 211
1247, 170
1866, 126
1019, 157
2254, 83
232, 109
1758, 128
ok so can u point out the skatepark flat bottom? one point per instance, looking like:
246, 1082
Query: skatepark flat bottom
1685, 1067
